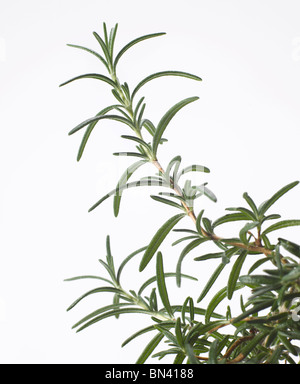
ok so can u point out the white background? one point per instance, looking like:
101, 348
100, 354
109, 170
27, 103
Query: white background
245, 128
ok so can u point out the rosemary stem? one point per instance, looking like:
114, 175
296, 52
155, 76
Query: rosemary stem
140, 303
191, 214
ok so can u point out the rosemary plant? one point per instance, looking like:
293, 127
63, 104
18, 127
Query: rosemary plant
267, 330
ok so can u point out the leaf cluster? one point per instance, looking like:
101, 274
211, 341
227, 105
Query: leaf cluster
267, 328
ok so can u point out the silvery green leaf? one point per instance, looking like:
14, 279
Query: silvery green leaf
268, 203
163, 73
132, 43
158, 238
280, 225
96, 76
165, 120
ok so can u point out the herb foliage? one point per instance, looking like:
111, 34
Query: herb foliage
267, 329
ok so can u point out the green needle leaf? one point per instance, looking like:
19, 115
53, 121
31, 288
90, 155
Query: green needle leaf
207, 192
198, 222
235, 273
168, 202
96, 290
281, 224
211, 281
175, 162
161, 284
162, 125
88, 277
150, 347
258, 279
92, 52
112, 37
257, 340
213, 352
141, 183
149, 126
193, 168
168, 274
245, 211
99, 311
109, 257
251, 204
189, 301
129, 154
126, 260
184, 252
105, 34
267, 204
256, 308
169, 324
138, 140
288, 345
98, 118
178, 333
160, 74
209, 256
245, 229
89, 130
167, 334
103, 46
216, 300
290, 246
228, 218
123, 180
190, 353
257, 264
132, 43
270, 217
114, 312
228, 254
158, 238
96, 76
